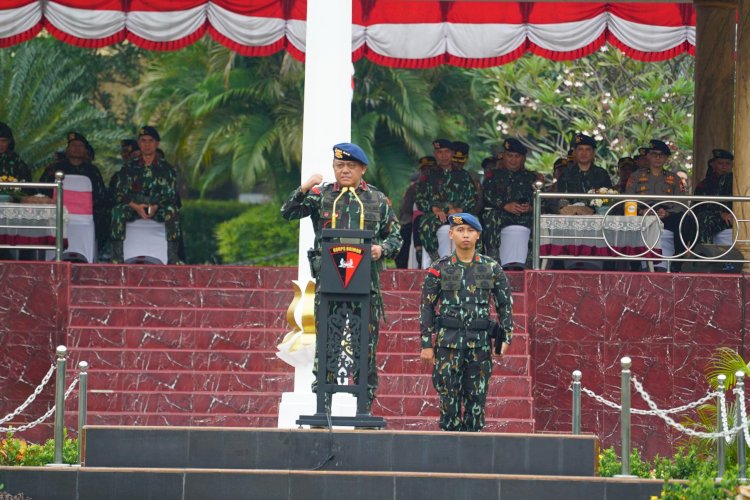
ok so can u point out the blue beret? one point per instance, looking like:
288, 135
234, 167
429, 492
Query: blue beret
515, 146
660, 146
350, 152
464, 218
149, 131
583, 140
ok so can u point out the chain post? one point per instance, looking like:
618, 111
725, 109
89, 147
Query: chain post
59, 176
535, 240
625, 363
82, 404
62, 352
741, 452
720, 444
577, 402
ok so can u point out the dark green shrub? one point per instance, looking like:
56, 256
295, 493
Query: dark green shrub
199, 221
259, 236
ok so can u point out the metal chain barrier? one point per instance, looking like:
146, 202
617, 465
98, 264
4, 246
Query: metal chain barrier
43, 417
743, 412
31, 397
728, 434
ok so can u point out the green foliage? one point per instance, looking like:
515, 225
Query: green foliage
48, 88
259, 236
686, 462
623, 103
15, 451
703, 486
200, 219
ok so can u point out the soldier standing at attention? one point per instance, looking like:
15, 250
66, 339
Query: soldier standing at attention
10, 163
447, 191
315, 199
455, 310
146, 188
77, 161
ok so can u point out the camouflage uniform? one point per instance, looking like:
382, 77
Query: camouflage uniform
501, 187
445, 189
380, 218
709, 214
463, 359
575, 180
99, 193
155, 184
12, 165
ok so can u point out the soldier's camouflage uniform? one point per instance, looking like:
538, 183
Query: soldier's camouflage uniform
155, 184
99, 192
501, 187
463, 292
709, 214
12, 165
453, 188
317, 203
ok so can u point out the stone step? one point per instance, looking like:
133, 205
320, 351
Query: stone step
275, 382
265, 403
356, 450
257, 361
134, 338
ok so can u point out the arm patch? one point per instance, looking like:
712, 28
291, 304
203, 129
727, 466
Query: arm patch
434, 272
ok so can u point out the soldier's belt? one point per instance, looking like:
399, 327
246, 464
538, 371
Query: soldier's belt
455, 323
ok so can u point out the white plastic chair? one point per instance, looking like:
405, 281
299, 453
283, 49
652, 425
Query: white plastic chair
145, 242
81, 232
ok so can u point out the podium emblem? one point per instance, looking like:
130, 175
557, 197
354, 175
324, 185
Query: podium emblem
346, 259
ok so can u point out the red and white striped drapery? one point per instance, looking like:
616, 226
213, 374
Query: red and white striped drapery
409, 34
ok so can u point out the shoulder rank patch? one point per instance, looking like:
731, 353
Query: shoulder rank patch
315, 190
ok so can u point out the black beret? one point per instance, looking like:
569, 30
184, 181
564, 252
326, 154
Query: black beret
721, 154
583, 140
75, 136
149, 131
427, 161
660, 146
442, 143
460, 151
515, 146
7, 133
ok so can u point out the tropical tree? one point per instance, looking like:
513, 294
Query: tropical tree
48, 89
623, 103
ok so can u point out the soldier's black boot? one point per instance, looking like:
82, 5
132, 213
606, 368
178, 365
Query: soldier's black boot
118, 257
173, 253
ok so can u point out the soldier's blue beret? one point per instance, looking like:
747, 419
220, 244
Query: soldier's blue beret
721, 154
350, 152
464, 218
149, 131
515, 146
583, 140
442, 143
660, 146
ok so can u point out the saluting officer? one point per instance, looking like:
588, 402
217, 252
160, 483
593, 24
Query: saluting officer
315, 199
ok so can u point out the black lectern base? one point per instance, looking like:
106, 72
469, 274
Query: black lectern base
361, 420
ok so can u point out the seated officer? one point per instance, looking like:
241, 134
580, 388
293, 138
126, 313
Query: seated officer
445, 191
658, 180
147, 189
714, 222
508, 214
77, 161
10, 163
582, 176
